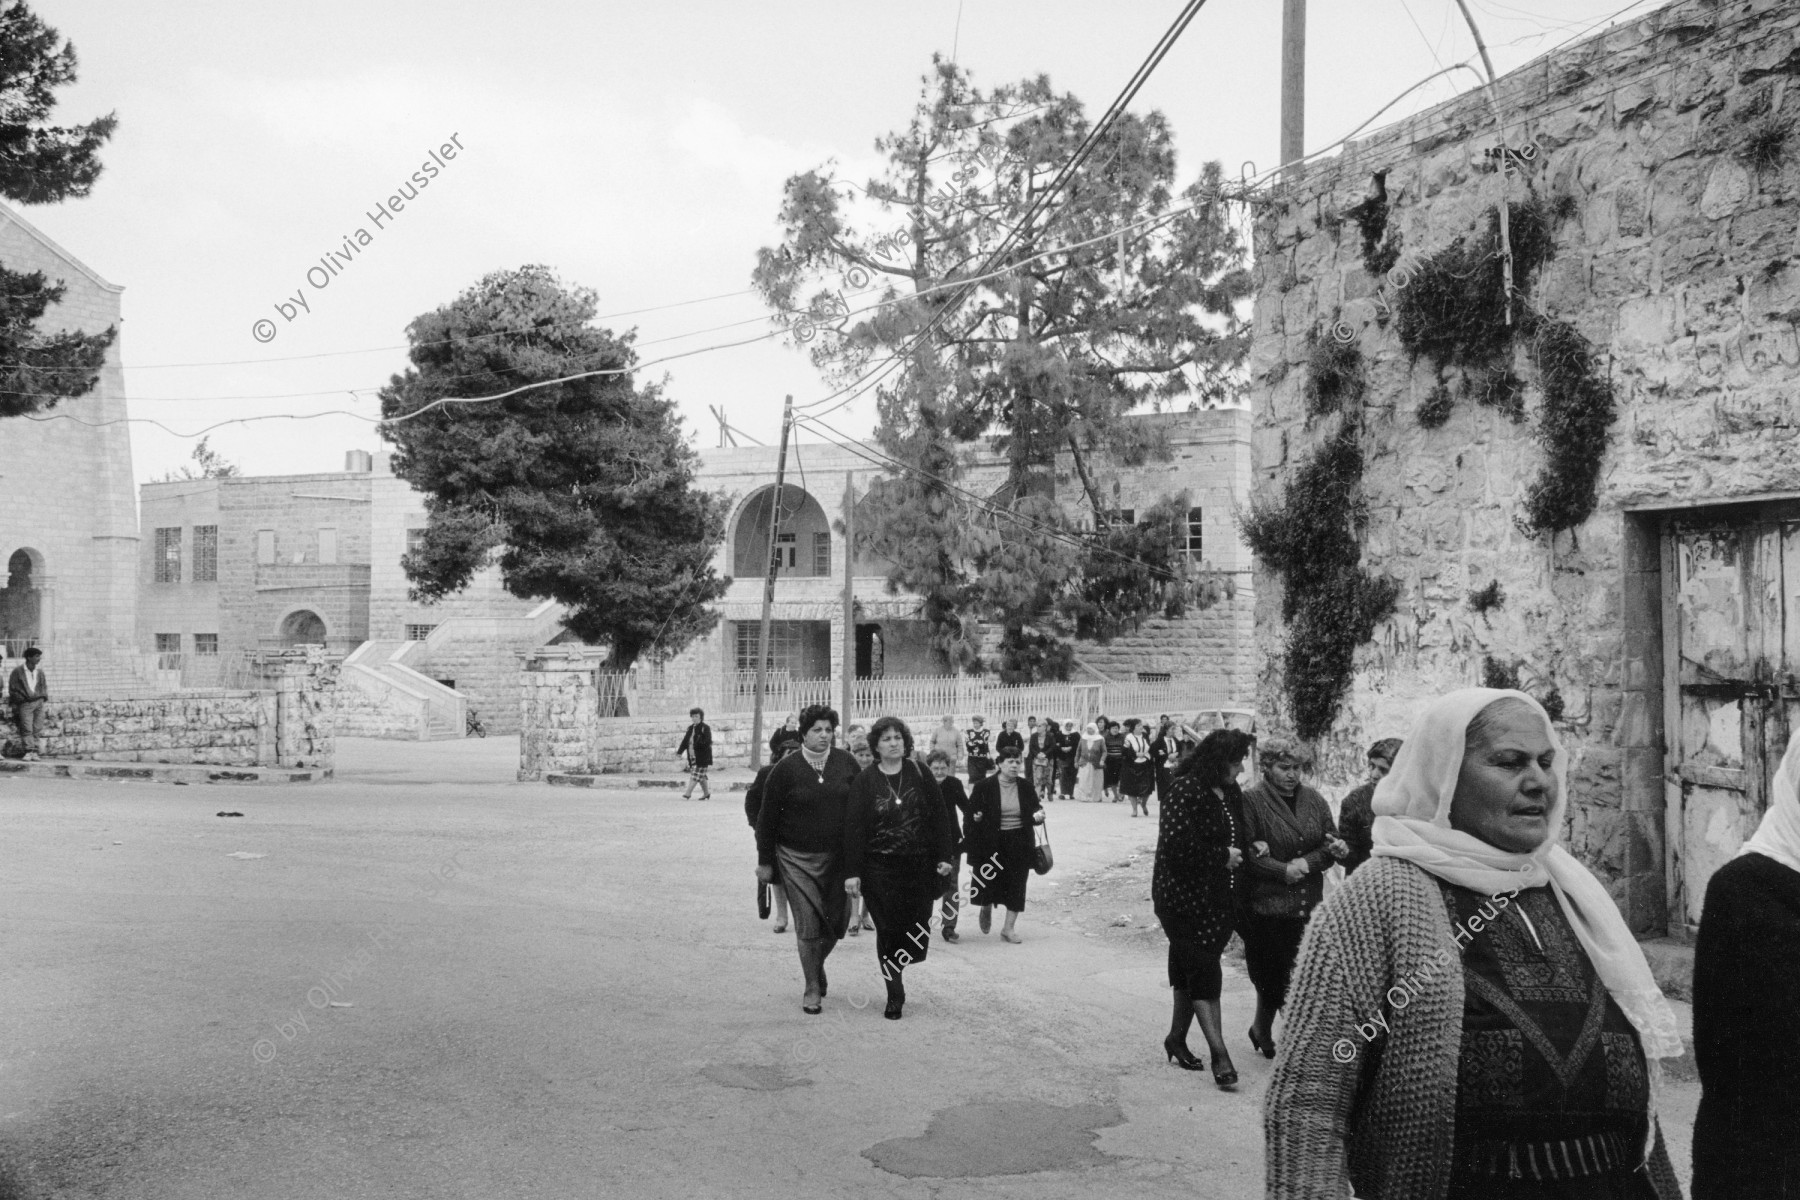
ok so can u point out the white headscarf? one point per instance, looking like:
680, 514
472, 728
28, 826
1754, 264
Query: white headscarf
1779, 834
1412, 821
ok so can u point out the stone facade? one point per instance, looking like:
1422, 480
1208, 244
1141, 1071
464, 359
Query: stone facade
66, 510
315, 558
1681, 265
1210, 459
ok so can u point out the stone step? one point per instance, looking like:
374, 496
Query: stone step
142, 772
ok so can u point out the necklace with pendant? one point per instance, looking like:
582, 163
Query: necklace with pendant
818, 767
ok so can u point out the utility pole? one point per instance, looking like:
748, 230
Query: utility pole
762, 638
1293, 89
849, 596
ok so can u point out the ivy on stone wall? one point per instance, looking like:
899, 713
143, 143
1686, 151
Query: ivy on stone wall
1454, 312
1312, 538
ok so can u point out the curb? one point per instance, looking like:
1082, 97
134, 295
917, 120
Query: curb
176, 773
627, 783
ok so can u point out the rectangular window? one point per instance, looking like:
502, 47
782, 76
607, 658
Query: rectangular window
206, 644
787, 645
1195, 544
415, 539
265, 546
821, 553
327, 545
787, 551
206, 553
1153, 676
168, 643
168, 555
418, 633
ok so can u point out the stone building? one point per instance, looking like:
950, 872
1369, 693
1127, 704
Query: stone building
1210, 461
232, 565
68, 532
1668, 622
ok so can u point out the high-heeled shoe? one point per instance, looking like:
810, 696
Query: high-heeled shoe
811, 1010
896, 1000
1266, 1049
1228, 1077
1180, 1055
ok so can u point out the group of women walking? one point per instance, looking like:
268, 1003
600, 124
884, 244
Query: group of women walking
830, 832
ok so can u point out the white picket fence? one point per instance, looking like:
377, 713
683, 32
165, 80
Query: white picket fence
631, 694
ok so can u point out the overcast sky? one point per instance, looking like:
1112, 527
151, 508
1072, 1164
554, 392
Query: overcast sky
638, 149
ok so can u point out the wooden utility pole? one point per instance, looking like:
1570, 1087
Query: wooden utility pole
1293, 89
762, 638
849, 597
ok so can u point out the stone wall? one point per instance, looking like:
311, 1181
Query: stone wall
1680, 263
220, 728
288, 724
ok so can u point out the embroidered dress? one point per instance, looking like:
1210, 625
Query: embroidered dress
1552, 1087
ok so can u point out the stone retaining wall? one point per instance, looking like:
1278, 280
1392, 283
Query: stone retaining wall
290, 724
220, 728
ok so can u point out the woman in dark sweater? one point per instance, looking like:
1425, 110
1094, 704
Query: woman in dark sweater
1747, 1010
1356, 812
784, 743
897, 850
1068, 749
1292, 841
800, 833
1195, 886
1001, 842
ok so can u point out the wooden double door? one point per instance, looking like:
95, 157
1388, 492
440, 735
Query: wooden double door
1732, 680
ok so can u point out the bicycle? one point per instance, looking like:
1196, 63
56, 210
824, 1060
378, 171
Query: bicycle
472, 723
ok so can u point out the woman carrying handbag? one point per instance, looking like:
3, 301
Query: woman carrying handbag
999, 838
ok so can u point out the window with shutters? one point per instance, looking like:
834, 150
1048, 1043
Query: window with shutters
821, 562
168, 555
1196, 545
206, 553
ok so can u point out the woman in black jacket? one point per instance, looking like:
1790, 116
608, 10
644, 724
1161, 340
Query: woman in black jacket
1747, 1010
1000, 842
800, 829
1195, 887
897, 850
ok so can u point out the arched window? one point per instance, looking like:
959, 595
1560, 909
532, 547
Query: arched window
303, 628
802, 546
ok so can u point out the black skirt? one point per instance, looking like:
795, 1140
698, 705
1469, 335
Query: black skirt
901, 896
1013, 859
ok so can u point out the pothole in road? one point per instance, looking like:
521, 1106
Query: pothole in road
1011, 1138
754, 1077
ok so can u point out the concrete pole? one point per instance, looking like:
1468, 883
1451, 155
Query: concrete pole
1293, 88
762, 639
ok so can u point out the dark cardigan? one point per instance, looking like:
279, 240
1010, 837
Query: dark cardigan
981, 832
801, 813
956, 807
1356, 825
1747, 1033
1300, 833
700, 734
861, 815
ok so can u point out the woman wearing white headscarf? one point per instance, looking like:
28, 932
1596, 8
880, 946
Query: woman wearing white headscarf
1093, 755
1470, 1015
1747, 1010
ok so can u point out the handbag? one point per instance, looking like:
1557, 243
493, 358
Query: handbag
762, 901
1043, 859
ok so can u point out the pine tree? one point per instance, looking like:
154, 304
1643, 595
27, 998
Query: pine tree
41, 163
1124, 297
583, 489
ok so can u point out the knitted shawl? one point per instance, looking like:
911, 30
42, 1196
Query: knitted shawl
1366, 1078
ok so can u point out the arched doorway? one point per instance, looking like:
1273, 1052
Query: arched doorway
303, 628
21, 604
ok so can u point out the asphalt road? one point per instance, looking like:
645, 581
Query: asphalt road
428, 980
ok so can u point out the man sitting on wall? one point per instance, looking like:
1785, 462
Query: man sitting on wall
26, 691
